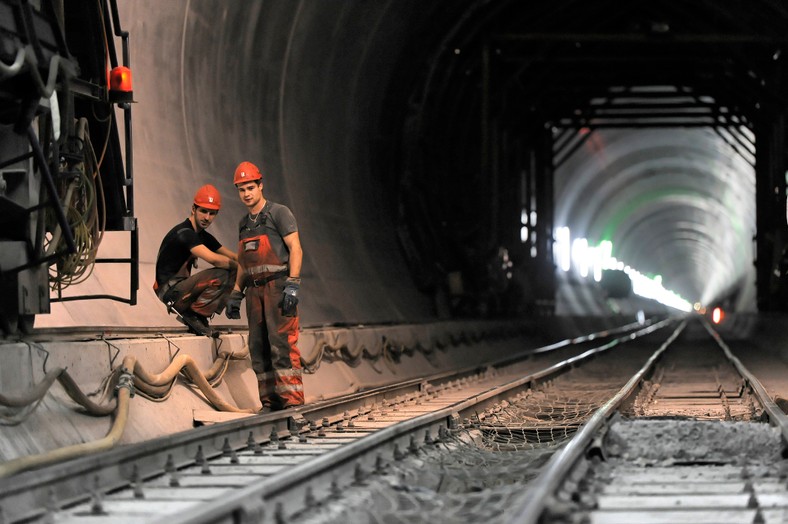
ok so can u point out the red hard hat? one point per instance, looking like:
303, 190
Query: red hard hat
246, 172
208, 197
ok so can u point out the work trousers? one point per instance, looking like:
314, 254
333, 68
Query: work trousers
273, 340
204, 293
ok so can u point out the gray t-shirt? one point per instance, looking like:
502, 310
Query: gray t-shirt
274, 220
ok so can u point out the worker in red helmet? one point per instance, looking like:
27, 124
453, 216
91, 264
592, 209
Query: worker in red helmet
195, 298
269, 258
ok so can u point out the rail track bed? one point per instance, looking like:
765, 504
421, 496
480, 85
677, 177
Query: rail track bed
684, 472
693, 438
654, 423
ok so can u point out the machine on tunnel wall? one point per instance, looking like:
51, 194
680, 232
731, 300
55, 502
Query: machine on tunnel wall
65, 169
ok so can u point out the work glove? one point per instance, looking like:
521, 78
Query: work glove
233, 307
290, 297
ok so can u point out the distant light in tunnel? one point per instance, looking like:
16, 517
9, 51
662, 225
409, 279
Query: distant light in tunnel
786, 199
717, 315
605, 257
524, 232
563, 251
586, 258
581, 256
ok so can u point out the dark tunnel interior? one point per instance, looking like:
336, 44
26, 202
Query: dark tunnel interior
630, 122
434, 154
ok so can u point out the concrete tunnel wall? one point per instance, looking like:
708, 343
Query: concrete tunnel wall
296, 87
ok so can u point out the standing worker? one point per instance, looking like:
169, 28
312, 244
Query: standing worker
269, 256
196, 297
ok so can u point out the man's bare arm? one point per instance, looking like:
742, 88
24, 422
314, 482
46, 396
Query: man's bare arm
215, 259
293, 243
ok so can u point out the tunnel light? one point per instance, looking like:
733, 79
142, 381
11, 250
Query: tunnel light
120, 88
524, 234
717, 315
563, 250
606, 252
580, 256
586, 258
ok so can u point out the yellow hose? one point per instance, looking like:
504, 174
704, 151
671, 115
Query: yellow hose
131, 374
86, 448
35, 394
168, 375
39, 390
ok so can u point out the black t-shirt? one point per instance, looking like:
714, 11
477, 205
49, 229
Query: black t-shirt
176, 248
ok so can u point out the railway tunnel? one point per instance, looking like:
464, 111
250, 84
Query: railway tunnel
439, 158
414, 142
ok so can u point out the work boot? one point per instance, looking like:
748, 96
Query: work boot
196, 323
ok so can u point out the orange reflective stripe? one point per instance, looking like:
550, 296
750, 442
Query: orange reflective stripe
285, 388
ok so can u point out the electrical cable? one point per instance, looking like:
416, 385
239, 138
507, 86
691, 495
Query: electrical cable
128, 378
153, 386
14, 68
80, 201
10, 417
124, 391
36, 394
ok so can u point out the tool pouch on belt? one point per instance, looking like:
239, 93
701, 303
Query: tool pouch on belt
167, 293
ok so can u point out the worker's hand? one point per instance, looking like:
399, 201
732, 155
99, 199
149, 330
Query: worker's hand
290, 297
233, 307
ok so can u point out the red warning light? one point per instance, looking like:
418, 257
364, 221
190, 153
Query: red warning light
717, 315
120, 89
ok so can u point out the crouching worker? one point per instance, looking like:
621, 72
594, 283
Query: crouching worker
195, 298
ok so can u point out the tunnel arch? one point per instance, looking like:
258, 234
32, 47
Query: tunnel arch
408, 138
721, 101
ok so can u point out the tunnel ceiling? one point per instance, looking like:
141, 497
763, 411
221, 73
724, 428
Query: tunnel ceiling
652, 108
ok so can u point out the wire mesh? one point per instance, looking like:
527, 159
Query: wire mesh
475, 474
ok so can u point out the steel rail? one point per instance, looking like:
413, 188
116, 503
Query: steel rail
33, 493
263, 502
67, 482
776, 415
531, 506
528, 509
35, 488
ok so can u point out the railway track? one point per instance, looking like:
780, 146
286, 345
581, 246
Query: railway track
307, 455
604, 428
692, 438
